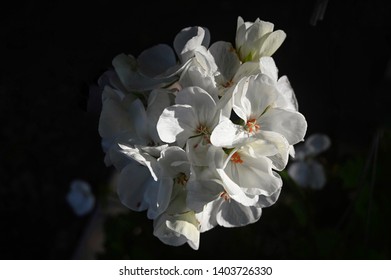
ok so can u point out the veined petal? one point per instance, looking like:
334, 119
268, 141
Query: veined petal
205, 59
253, 99
245, 70
271, 42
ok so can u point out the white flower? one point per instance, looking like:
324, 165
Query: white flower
246, 172
307, 171
195, 114
253, 103
80, 197
213, 205
257, 39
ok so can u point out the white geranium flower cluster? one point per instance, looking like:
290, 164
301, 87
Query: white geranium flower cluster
199, 131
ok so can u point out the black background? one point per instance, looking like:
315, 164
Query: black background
51, 52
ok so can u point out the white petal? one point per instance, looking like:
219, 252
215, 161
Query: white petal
234, 191
246, 69
271, 42
280, 156
165, 234
196, 150
233, 214
287, 98
205, 59
207, 217
156, 60
140, 122
268, 67
114, 119
189, 39
254, 175
173, 160
196, 76
142, 158
291, 125
252, 99
186, 225
266, 201
202, 102
126, 69
177, 123
227, 134
202, 192
158, 100
134, 183
226, 58
177, 230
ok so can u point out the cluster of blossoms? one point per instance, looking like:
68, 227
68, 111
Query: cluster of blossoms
198, 132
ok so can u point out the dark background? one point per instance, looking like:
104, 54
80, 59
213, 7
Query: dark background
340, 68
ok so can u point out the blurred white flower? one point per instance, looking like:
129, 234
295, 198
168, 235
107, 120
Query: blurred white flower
306, 171
80, 197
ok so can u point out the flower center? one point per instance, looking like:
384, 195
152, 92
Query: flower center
225, 196
181, 179
236, 158
252, 126
228, 84
203, 129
